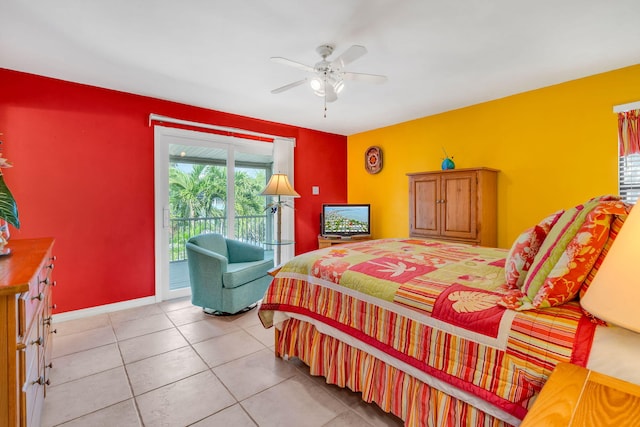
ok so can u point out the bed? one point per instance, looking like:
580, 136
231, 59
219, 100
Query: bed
450, 334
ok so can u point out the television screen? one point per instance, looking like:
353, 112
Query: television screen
345, 220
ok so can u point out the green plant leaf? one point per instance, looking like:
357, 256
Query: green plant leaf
8, 206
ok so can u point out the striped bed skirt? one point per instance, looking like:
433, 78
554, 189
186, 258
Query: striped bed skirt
393, 390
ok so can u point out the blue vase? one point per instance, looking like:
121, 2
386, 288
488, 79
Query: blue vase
447, 163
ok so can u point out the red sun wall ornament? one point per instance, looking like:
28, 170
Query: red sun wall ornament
373, 159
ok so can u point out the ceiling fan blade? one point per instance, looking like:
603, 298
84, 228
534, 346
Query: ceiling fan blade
289, 86
348, 56
290, 63
368, 78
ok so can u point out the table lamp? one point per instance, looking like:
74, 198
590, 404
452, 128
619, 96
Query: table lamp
614, 293
278, 185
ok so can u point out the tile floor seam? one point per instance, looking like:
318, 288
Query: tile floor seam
249, 414
126, 372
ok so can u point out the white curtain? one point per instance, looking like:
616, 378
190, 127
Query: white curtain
283, 163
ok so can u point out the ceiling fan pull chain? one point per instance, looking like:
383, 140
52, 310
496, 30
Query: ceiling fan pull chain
325, 95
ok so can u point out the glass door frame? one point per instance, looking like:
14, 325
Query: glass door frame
163, 138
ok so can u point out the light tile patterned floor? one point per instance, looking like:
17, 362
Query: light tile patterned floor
169, 364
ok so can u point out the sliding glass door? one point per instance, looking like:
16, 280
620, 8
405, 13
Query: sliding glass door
205, 183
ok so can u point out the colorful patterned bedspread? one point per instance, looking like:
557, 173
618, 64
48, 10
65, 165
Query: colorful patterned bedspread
433, 306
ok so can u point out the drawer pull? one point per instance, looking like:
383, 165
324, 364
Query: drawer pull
39, 341
45, 281
55, 331
53, 307
50, 365
41, 381
53, 283
50, 266
47, 321
40, 297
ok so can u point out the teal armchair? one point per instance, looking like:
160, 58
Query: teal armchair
227, 276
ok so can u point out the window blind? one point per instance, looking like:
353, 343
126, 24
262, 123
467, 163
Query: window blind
629, 177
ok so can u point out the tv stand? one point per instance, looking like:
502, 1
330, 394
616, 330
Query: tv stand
325, 242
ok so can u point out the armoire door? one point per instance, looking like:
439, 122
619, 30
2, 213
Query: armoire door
424, 205
458, 190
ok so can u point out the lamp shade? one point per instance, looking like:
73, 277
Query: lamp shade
279, 185
614, 293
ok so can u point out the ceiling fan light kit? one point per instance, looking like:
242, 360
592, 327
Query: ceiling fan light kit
329, 76
328, 87
316, 84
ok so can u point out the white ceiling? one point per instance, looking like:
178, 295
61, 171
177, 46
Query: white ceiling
438, 55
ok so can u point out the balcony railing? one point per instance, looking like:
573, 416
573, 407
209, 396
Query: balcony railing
251, 229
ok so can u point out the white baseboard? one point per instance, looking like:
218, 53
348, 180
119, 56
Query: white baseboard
101, 309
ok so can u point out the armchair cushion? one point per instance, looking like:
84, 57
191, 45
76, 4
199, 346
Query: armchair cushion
239, 273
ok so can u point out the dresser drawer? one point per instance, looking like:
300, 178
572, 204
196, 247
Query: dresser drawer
33, 351
33, 396
28, 304
30, 378
39, 285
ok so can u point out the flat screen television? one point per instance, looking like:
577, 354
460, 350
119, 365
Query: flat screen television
345, 220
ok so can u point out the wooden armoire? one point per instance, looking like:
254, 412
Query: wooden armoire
457, 205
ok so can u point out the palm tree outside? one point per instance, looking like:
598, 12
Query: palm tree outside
198, 203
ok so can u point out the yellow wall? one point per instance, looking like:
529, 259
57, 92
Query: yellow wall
555, 147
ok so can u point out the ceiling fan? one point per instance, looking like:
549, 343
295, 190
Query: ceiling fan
328, 77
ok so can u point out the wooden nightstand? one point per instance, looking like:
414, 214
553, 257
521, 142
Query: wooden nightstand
324, 242
575, 396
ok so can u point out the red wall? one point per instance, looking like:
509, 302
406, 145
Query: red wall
83, 173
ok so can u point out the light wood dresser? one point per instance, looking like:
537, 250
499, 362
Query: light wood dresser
25, 330
577, 397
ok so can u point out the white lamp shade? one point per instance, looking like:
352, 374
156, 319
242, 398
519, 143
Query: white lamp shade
614, 293
279, 185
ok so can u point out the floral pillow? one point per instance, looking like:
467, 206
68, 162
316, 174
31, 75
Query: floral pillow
524, 250
563, 282
565, 258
